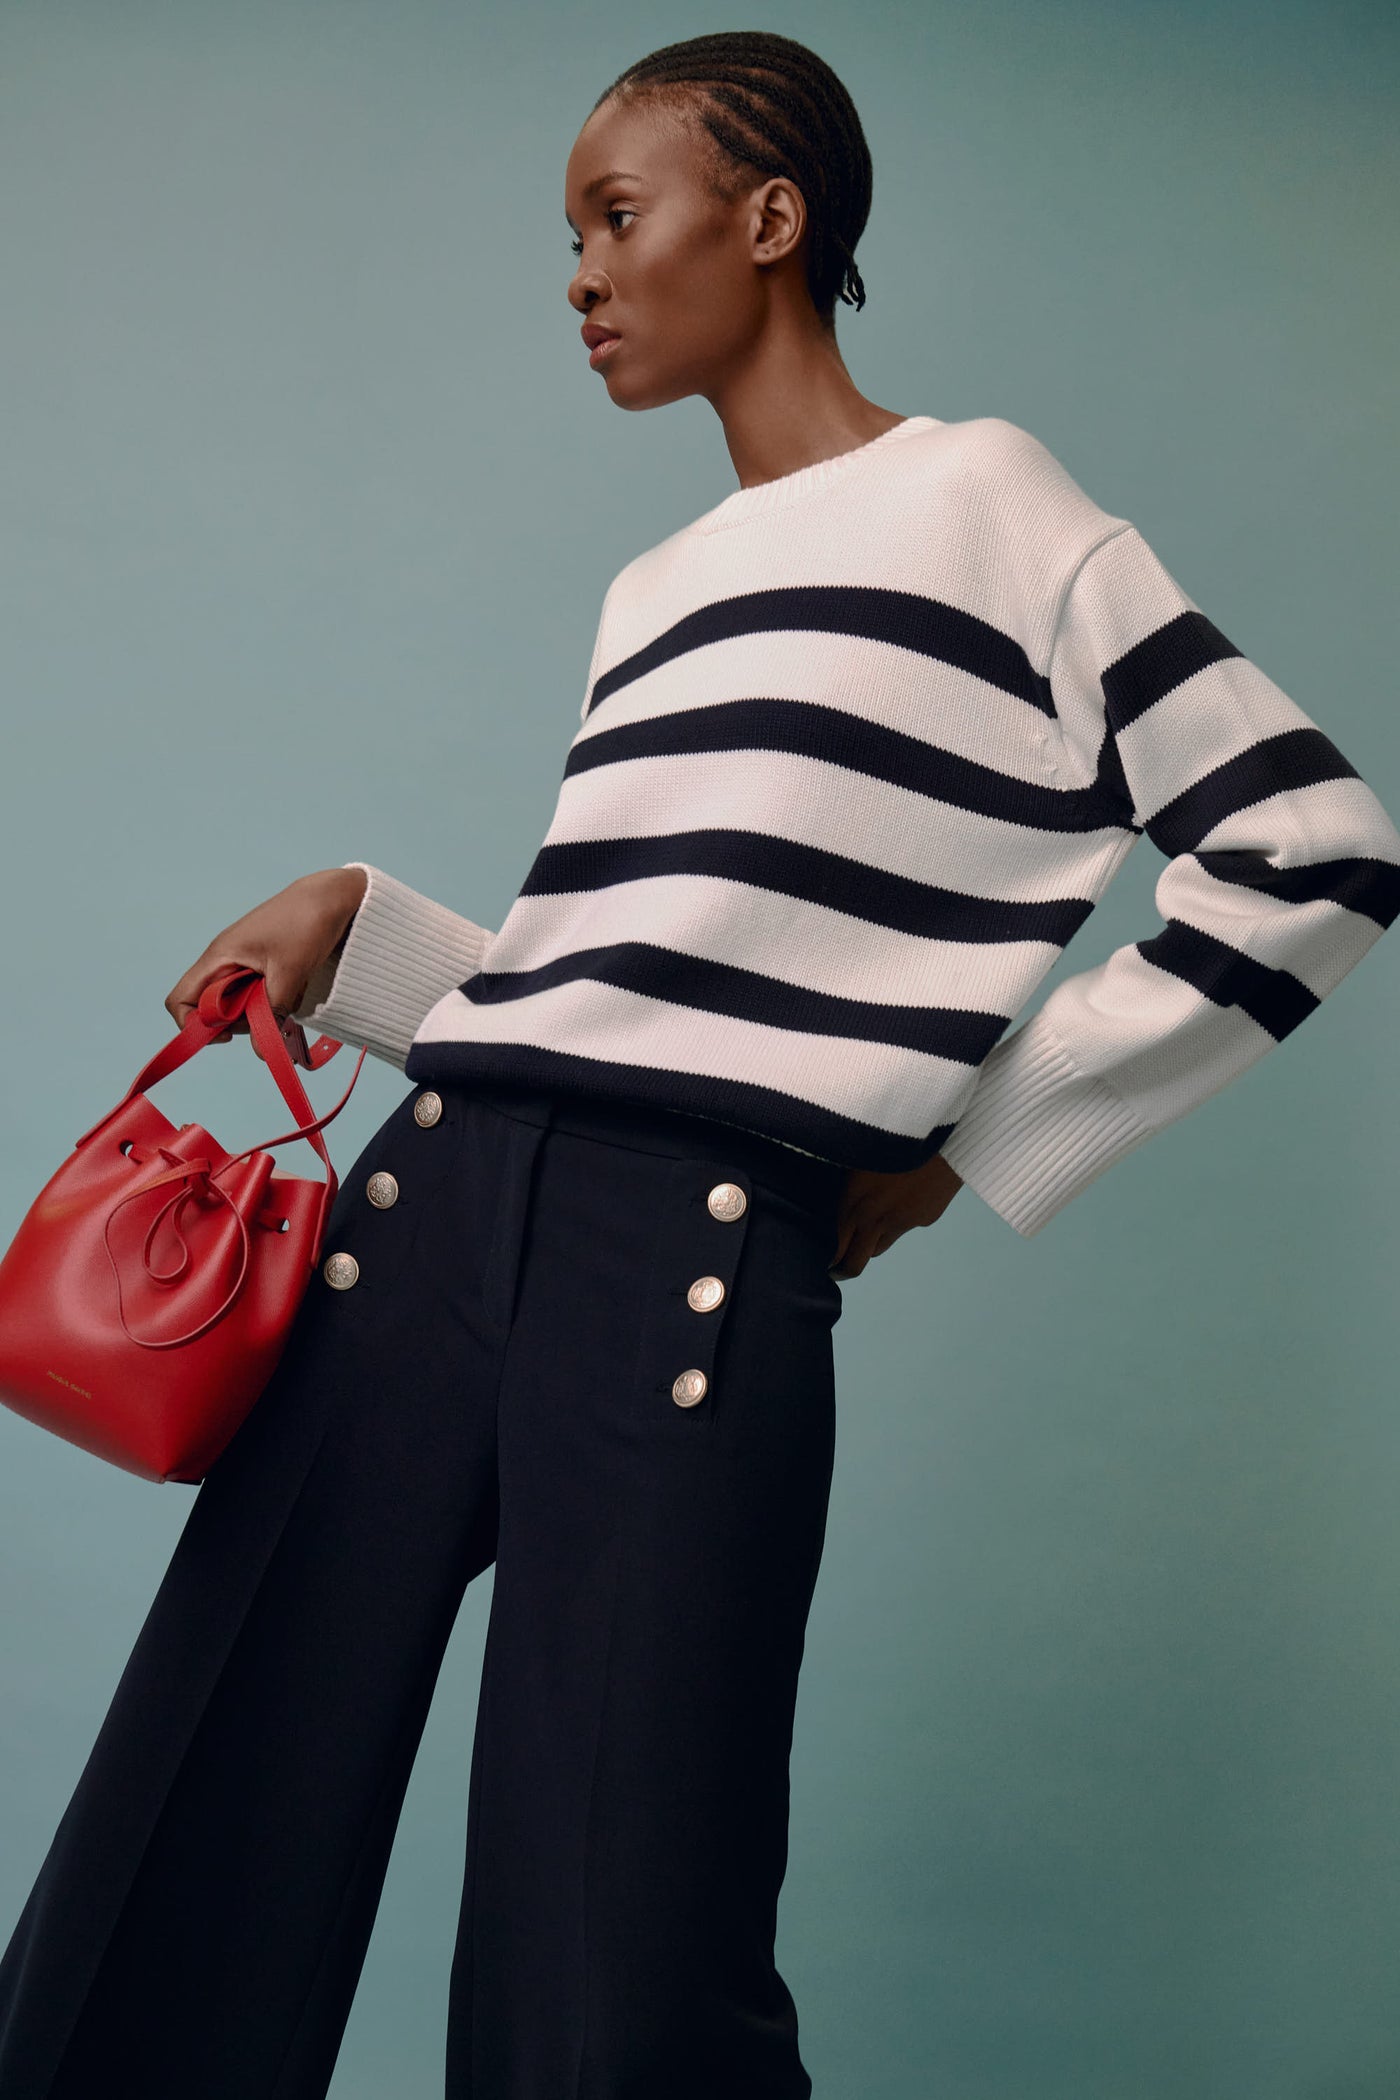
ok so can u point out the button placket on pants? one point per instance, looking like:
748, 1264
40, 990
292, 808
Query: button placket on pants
376, 1216
694, 1272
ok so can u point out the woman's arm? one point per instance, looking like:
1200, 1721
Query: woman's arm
1282, 871
399, 954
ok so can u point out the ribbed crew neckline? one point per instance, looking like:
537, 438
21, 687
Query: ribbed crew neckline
802, 481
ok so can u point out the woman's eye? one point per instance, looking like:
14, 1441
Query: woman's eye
612, 211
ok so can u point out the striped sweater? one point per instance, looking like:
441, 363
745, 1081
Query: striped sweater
859, 751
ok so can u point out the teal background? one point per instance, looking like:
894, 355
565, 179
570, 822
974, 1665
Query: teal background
309, 503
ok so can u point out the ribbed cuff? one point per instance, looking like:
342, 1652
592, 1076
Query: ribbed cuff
1037, 1130
402, 953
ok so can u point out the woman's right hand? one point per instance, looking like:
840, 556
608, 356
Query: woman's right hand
286, 939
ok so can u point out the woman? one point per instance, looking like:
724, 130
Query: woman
859, 750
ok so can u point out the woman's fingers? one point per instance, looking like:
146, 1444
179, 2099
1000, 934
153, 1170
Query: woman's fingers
282, 940
861, 1246
184, 996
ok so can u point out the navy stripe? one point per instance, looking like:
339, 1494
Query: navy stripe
1159, 663
1276, 765
1110, 789
812, 730
1371, 887
845, 1139
749, 995
905, 618
1276, 999
791, 869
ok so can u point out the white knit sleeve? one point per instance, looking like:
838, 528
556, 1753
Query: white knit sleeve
1283, 868
402, 952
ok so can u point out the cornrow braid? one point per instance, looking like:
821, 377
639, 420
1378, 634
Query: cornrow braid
772, 107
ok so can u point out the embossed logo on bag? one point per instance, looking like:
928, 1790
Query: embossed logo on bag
58, 1375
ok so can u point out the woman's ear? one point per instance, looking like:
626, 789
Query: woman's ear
780, 219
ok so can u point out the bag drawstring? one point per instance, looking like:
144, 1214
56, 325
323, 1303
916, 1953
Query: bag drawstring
199, 1179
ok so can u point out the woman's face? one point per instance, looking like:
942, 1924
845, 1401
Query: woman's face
662, 263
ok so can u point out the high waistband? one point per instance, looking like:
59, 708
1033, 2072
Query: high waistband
814, 1183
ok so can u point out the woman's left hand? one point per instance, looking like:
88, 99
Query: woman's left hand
877, 1209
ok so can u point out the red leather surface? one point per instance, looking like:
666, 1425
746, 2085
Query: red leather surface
153, 1282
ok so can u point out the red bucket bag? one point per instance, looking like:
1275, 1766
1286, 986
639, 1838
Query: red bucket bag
153, 1283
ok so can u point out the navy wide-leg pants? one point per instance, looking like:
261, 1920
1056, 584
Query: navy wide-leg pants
592, 1345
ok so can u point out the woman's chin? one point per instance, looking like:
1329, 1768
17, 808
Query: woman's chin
626, 390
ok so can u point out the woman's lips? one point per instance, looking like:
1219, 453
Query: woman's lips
600, 350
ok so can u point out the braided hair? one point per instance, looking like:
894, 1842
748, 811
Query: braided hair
772, 107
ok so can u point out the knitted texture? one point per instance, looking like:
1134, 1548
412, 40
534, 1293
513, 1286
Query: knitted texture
859, 751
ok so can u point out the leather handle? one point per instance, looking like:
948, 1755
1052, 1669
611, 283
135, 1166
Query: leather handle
222, 1000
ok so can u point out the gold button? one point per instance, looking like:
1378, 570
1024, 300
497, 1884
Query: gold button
705, 1293
427, 1108
690, 1387
382, 1190
340, 1271
727, 1201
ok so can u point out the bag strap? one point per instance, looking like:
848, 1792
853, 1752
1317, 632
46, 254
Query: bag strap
196, 1180
222, 1000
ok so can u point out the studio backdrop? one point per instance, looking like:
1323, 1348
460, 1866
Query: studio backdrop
308, 505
